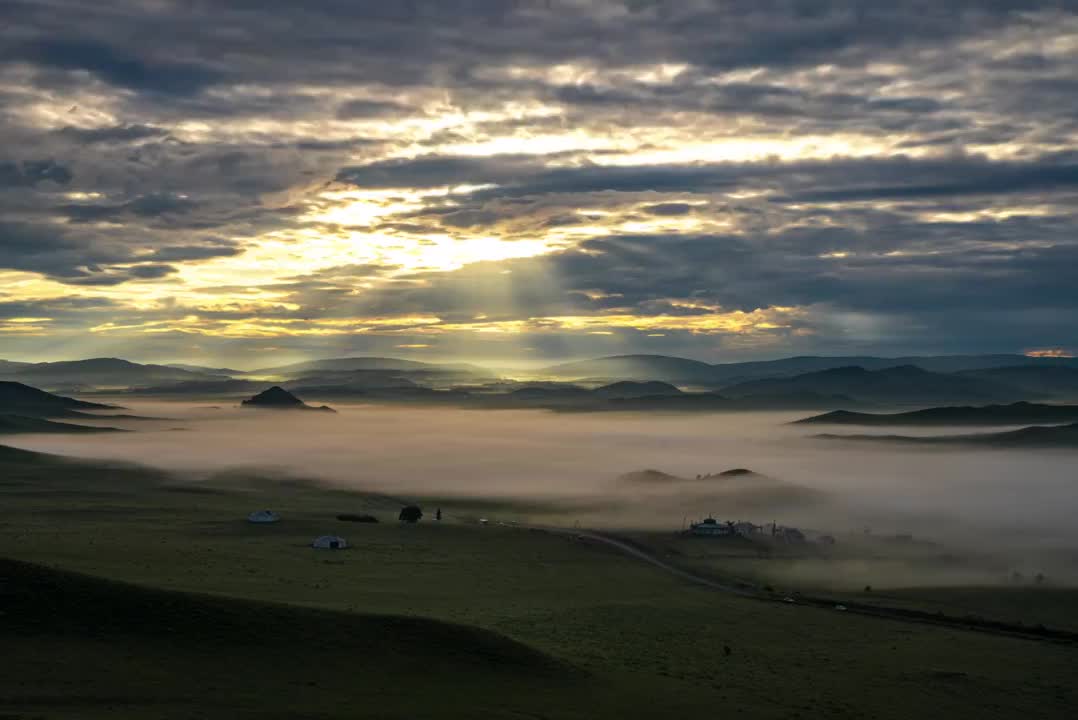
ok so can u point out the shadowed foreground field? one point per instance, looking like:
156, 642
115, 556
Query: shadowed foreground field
437, 620
100, 647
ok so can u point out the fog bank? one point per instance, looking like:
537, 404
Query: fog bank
578, 457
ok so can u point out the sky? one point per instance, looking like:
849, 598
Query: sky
530, 181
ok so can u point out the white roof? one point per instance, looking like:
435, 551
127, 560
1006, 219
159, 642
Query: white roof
329, 541
263, 516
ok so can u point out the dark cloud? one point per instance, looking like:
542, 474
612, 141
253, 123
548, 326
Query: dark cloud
982, 178
145, 206
150, 271
142, 136
439, 171
96, 258
112, 134
29, 173
367, 108
832, 180
184, 253
668, 209
118, 66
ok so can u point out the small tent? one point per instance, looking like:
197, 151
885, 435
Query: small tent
263, 516
329, 542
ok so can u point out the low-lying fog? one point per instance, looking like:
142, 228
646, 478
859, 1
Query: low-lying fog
1001, 499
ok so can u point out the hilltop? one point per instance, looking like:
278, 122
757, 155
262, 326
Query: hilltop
21, 399
277, 398
1018, 413
735, 490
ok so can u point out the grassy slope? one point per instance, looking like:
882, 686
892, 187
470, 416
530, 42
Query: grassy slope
843, 570
101, 647
650, 645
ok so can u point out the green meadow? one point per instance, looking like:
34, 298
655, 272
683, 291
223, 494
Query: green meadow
128, 592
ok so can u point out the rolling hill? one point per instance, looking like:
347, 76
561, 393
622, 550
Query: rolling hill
199, 388
626, 389
206, 370
351, 364
7, 366
784, 367
99, 373
734, 490
906, 384
131, 651
21, 399
1019, 413
636, 367
277, 398
693, 372
1051, 380
16, 424
1035, 437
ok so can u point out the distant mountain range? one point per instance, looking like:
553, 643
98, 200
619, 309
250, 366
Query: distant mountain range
97, 373
206, 370
352, 364
1051, 380
655, 382
199, 388
1038, 436
682, 371
904, 384
1019, 413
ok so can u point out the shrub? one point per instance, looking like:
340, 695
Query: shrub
411, 514
353, 517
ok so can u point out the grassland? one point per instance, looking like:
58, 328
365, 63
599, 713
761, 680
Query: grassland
876, 571
204, 615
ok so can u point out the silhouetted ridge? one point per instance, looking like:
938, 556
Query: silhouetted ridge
1038, 436
13, 424
277, 397
1019, 413
20, 399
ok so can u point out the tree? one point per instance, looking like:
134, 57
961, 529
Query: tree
438, 514
411, 514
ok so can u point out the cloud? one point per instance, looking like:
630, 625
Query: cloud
668, 209
369, 108
152, 205
93, 257
897, 174
967, 178
119, 67
111, 133
29, 173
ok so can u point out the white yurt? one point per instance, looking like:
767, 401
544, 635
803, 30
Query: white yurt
263, 516
330, 542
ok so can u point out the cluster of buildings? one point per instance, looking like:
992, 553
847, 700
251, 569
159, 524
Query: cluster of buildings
710, 527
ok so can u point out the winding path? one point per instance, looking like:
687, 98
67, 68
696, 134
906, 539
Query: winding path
1038, 632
